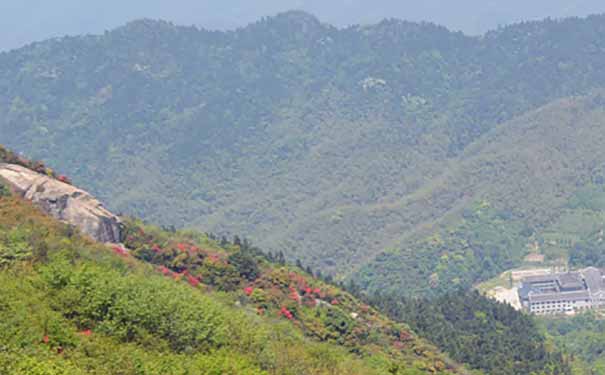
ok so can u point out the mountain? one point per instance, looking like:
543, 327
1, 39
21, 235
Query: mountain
399, 155
513, 188
32, 20
170, 302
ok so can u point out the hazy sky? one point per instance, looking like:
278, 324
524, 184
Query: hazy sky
25, 21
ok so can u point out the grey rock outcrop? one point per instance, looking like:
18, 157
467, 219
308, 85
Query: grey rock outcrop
64, 202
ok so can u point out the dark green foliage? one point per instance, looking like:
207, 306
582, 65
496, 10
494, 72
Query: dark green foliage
588, 254
4, 190
582, 336
478, 331
589, 250
245, 264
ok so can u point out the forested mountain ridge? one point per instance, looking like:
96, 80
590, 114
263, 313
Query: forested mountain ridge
306, 138
29, 20
503, 194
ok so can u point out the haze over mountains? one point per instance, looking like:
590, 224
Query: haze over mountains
403, 162
25, 21
396, 147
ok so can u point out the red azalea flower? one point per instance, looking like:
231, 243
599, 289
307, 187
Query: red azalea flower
294, 296
317, 291
120, 251
165, 271
334, 302
193, 281
285, 312
182, 246
249, 290
86, 333
45, 339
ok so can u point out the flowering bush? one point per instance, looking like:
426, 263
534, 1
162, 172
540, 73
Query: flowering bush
86, 332
286, 313
120, 250
193, 281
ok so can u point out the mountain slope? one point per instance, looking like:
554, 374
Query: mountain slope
501, 195
305, 138
71, 306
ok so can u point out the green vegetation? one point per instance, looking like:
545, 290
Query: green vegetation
4, 190
528, 191
73, 307
328, 144
477, 331
582, 336
483, 244
7, 156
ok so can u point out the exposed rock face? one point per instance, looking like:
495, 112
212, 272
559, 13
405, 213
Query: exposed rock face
64, 202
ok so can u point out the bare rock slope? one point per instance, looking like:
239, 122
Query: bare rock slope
64, 202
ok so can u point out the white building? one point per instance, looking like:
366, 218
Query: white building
563, 293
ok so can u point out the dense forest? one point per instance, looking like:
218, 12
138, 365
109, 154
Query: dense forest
363, 151
584, 336
478, 331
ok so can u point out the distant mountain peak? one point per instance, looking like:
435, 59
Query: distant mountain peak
298, 16
298, 19
145, 24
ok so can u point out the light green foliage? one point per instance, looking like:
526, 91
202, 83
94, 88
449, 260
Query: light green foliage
483, 244
138, 308
83, 309
14, 247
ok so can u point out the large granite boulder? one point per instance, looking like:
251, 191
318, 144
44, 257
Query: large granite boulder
64, 202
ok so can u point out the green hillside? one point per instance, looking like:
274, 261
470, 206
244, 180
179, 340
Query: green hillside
70, 306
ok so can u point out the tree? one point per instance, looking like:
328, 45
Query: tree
245, 264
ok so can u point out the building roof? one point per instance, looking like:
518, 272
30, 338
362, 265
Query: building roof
594, 279
540, 278
571, 280
524, 291
566, 287
563, 296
